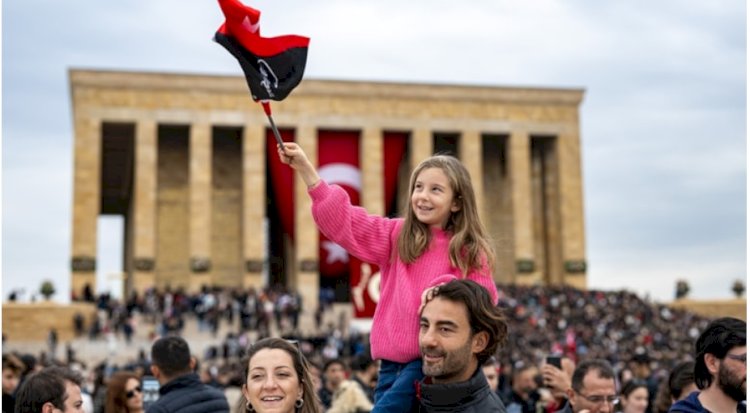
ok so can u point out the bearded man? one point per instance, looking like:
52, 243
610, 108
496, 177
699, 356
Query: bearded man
720, 369
460, 329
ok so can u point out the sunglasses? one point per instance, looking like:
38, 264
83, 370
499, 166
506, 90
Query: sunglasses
131, 393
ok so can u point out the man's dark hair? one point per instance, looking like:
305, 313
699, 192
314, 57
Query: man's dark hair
721, 335
330, 363
484, 315
491, 361
14, 364
362, 361
601, 366
641, 358
520, 368
46, 386
171, 355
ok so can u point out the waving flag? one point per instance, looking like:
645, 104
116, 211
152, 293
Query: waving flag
273, 66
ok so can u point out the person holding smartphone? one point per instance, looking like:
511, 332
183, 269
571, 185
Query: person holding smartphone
557, 373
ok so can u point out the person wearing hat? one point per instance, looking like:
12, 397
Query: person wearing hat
641, 364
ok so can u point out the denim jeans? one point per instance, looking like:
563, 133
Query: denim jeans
395, 391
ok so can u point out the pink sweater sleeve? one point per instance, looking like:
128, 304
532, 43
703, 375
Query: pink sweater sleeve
483, 277
367, 237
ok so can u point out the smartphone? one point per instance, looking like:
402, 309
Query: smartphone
555, 360
150, 386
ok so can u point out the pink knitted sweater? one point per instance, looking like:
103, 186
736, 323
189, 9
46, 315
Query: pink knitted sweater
374, 239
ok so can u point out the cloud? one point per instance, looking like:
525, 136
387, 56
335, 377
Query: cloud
663, 122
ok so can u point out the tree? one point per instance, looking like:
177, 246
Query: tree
682, 289
738, 288
47, 289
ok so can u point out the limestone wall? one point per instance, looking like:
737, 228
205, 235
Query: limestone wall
736, 307
33, 321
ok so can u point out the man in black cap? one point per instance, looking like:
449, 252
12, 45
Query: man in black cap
641, 365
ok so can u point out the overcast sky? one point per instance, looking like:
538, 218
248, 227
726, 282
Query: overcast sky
663, 121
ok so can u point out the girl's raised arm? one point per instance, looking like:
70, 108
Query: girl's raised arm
293, 155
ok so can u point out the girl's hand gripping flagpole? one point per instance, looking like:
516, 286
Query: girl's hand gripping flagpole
267, 108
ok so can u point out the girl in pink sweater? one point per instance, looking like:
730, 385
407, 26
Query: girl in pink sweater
440, 239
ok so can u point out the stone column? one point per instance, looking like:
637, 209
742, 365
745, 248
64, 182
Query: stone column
520, 183
146, 172
200, 206
306, 279
253, 204
471, 157
571, 209
371, 162
549, 206
86, 203
421, 147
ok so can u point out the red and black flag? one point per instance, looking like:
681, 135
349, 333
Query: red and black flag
273, 66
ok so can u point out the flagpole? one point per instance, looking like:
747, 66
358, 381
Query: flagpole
267, 108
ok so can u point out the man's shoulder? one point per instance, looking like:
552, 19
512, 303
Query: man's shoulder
190, 396
689, 404
496, 403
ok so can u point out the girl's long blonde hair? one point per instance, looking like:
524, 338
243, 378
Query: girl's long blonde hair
470, 242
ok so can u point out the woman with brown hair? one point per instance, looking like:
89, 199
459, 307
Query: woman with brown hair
124, 394
276, 378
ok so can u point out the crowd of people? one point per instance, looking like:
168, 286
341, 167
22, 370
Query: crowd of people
444, 337
167, 310
617, 326
643, 341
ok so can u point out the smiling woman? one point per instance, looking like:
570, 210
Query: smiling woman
277, 379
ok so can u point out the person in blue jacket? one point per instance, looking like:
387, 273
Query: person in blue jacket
720, 369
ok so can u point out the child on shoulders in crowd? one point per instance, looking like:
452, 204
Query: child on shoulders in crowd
440, 238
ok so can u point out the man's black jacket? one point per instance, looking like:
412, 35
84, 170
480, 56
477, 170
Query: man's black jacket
186, 394
472, 396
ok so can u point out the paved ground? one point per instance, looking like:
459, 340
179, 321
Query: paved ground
118, 351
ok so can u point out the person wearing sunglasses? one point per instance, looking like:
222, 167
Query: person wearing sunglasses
592, 388
720, 369
124, 394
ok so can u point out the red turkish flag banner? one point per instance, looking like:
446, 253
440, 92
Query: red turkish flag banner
338, 163
365, 277
282, 180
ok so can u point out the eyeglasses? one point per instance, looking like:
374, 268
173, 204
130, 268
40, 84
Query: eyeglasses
600, 399
739, 357
131, 393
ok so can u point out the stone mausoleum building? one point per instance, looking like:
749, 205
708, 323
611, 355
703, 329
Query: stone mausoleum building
190, 163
